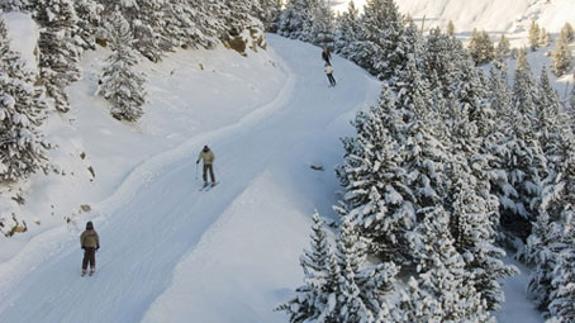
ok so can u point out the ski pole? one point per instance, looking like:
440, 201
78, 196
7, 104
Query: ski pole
196, 171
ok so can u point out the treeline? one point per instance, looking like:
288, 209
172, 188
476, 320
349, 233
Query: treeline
448, 168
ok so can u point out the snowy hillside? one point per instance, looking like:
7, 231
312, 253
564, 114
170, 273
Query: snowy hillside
94, 153
241, 239
494, 16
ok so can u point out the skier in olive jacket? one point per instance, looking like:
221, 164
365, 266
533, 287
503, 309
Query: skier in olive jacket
90, 242
208, 157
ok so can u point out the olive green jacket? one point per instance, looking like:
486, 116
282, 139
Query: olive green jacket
90, 239
207, 156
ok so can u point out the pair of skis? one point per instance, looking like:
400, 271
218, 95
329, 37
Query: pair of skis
206, 187
90, 273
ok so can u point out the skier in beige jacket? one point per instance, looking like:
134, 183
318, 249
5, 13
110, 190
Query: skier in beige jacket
208, 157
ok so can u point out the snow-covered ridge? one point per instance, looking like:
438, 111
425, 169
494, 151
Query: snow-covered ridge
495, 16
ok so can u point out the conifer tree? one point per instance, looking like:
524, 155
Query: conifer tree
534, 36
322, 26
450, 28
481, 47
473, 229
442, 270
312, 298
22, 108
567, 32
544, 38
380, 202
269, 14
552, 124
503, 49
347, 31
562, 57
15, 5
58, 54
562, 306
89, 20
121, 86
360, 293
381, 29
296, 18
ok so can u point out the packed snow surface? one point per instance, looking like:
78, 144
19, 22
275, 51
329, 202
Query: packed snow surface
169, 251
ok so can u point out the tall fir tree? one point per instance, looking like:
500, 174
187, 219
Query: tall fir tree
320, 279
562, 57
481, 47
122, 86
89, 14
562, 306
347, 31
296, 18
380, 32
534, 36
322, 26
568, 32
22, 108
442, 270
59, 55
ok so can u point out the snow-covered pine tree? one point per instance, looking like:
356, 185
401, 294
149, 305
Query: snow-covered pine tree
473, 229
296, 17
544, 38
534, 36
14, 5
553, 229
59, 55
562, 306
89, 20
423, 155
417, 305
548, 241
481, 47
562, 57
441, 56
568, 32
360, 295
410, 44
346, 32
525, 90
146, 19
442, 270
22, 108
379, 201
240, 24
322, 27
122, 86
313, 298
552, 123
380, 32
269, 13
450, 28
503, 49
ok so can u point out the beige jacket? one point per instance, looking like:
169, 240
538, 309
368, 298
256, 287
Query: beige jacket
90, 239
208, 157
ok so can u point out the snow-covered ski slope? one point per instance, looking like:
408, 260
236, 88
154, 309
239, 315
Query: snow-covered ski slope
173, 254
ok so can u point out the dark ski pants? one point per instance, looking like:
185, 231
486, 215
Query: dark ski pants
331, 79
89, 258
209, 169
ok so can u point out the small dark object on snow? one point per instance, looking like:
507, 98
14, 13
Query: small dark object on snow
317, 167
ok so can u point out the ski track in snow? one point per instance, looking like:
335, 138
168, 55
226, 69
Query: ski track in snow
157, 217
